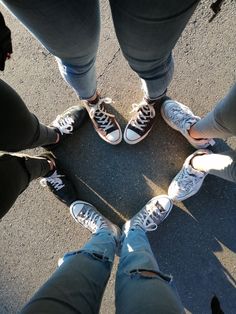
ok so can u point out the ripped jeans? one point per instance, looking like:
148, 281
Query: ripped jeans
77, 286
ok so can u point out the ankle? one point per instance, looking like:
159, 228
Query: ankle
52, 165
193, 133
94, 99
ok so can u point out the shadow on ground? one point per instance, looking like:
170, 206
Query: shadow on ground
119, 180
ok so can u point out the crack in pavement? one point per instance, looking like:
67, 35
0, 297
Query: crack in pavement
109, 63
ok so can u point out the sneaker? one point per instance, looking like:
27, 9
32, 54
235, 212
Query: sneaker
89, 217
141, 122
67, 124
104, 123
189, 180
151, 215
60, 186
180, 118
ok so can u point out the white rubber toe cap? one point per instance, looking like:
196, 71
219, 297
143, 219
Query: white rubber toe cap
131, 137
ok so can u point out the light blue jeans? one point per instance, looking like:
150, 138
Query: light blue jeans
77, 286
147, 31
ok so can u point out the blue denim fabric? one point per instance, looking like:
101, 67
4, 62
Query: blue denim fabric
79, 282
137, 292
147, 31
102, 244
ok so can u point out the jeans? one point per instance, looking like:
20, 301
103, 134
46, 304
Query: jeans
221, 123
77, 286
19, 129
147, 31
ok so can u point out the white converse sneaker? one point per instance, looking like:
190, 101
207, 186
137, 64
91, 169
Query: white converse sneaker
181, 118
151, 215
104, 123
141, 122
89, 217
189, 180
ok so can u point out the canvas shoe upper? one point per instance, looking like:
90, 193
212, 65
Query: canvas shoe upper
60, 186
104, 123
140, 123
90, 218
67, 123
151, 215
188, 181
181, 118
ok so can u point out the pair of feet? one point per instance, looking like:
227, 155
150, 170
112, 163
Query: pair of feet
187, 182
189, 179
107, 127
147, 219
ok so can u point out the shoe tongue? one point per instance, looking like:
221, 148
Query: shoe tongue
189, 123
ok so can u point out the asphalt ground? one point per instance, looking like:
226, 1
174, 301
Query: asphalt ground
196, 244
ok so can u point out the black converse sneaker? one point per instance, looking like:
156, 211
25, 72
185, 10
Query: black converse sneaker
67, 123
60, 186
141, 122
104, 123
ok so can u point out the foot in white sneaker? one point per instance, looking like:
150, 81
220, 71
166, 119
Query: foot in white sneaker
89, 217
180, 118
151, 215
189, 180
140, 123
104, 123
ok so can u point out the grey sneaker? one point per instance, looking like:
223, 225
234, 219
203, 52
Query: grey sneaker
89, 217
189, 180
140, 123
151, 215
180, 118
104, 123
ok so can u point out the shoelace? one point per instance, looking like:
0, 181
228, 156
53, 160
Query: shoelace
64, 125
189, 180
185, 120
54, 180
100, 114
142, 119
182, 119
91, 220
146, 218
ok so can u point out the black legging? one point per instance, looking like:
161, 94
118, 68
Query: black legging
19, 129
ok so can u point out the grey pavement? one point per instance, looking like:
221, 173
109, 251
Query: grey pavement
196, 244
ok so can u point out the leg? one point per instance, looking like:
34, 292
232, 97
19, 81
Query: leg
196, 167
140, 286
220, 122
222, 165
19, 128
78, 284
147, 32
16, 172
70, 31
